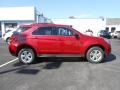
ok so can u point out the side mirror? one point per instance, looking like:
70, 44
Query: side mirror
77, 36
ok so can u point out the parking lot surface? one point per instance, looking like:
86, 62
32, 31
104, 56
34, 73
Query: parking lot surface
60, 73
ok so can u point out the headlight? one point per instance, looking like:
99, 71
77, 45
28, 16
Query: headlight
106, 40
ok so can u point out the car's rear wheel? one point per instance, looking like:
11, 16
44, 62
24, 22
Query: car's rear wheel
26, 55
95, 55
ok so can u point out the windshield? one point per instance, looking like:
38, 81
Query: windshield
104, 31
8, 31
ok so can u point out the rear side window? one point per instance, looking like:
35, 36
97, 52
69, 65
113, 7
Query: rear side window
43, 31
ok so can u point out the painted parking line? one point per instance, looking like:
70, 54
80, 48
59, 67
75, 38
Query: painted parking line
8, 62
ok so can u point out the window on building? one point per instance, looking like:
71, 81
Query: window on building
107, 29
10, 26
113, 29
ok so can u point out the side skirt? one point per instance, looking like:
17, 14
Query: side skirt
59, 55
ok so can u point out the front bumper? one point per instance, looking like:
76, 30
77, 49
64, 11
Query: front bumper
108, 50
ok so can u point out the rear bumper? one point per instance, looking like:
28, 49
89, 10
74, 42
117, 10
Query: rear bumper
12, 50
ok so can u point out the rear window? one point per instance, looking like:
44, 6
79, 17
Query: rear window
103, 31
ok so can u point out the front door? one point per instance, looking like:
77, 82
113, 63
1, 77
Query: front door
69, 43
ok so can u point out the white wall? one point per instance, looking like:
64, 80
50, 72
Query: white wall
20, 15
17, 13
83, 24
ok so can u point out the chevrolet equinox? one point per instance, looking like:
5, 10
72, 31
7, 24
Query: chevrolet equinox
43, 40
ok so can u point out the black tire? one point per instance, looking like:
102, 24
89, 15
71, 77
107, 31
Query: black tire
8, 40
95, 58
26, 56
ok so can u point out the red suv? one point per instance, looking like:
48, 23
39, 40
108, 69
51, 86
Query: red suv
42, 40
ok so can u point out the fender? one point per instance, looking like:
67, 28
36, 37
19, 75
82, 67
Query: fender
88, 44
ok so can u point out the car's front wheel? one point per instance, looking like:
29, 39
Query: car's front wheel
26, 55
95, 55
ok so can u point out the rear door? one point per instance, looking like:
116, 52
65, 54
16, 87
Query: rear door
48, 43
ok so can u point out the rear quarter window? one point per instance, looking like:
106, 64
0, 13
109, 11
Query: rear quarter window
43, 31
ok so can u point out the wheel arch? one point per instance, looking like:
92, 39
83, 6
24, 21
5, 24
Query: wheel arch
95, 45
25, 46
7, 39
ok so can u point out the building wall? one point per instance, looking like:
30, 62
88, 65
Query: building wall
112, 28
10, 25
83, 24
17, 13
10, 16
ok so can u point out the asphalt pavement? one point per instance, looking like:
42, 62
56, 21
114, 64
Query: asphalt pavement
60, 73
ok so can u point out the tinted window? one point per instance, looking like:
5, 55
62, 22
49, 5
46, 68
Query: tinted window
8, 31
113, 29
43, 31
104, 32
107, 28
53, 31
